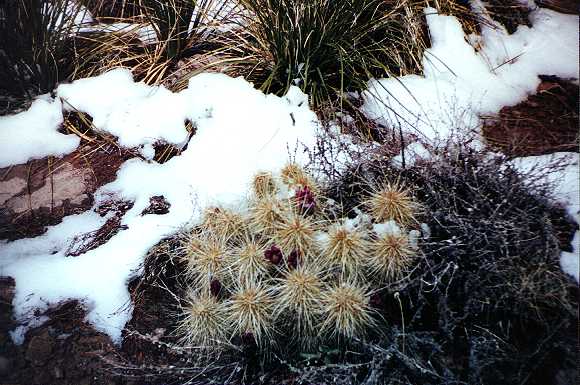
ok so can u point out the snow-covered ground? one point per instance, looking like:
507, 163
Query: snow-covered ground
459, 84
240, 131
33, 134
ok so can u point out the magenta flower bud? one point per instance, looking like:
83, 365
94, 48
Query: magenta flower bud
215, 287
274, 254
294, 259
376, 301
305, 200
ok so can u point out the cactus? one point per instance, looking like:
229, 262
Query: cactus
283, 265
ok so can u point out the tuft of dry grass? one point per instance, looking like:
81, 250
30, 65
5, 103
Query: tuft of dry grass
250, 312
324, 47
393, 201
347, 311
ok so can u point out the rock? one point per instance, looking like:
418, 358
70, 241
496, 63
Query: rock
40, 348
34, 195
157, 205
42, 192
564, 6
65, 183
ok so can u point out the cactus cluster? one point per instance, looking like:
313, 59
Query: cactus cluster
291, 267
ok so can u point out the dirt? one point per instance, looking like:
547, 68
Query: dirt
63, 351
509, 13
546, 122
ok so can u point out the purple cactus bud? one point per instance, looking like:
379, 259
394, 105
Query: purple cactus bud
305, 200
215, 287
294, 259
274, 254
376, 301
268, 254
247, 338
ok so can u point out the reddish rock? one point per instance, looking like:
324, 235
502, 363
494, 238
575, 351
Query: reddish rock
40, 348
42, 192
564, 6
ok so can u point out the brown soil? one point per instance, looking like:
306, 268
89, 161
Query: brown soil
509, 13
63, 351
545, 123
564, 6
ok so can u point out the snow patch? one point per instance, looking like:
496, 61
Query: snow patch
33, 134
136, 113
460, 84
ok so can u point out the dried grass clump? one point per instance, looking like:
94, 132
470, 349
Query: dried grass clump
37, 50
328, 47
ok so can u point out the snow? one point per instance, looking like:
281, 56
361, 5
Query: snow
388, 228
75, 15
413, 153
33, 134
218, 15
81, 14
19, 333
459, 84
561, 170
136, 113
239, 131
